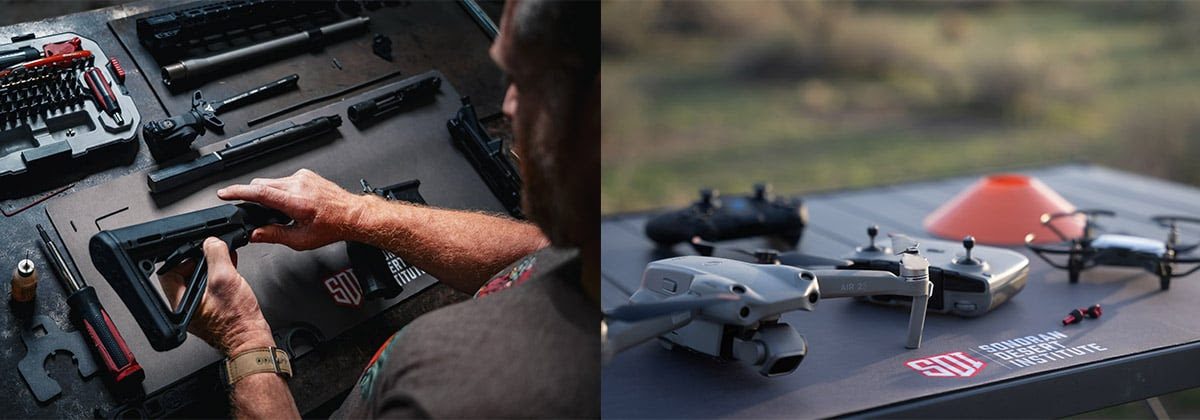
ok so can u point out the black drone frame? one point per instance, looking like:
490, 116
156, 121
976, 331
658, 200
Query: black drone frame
1082, 255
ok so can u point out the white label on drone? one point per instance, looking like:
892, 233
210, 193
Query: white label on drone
1033, 350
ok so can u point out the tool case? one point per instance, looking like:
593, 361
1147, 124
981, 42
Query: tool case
48, 111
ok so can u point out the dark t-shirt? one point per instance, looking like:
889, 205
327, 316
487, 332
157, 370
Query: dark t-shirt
527, 346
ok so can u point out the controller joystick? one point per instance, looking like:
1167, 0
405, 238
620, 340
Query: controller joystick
760, 191
716, 218
872, 232
706, 196
968, 244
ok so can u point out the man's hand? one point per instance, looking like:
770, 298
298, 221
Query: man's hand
228, 317
324, 213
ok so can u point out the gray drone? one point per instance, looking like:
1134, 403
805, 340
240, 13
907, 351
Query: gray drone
731, 309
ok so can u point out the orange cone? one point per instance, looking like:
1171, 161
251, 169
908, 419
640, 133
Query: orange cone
1001, 210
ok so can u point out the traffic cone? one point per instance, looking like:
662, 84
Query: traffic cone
1001, 209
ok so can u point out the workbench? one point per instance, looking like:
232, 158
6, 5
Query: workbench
1144, 345
427, 36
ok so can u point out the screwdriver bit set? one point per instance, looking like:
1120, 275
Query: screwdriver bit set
60, 102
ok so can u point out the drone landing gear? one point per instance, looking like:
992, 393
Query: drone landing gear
1164, 275
1074, 267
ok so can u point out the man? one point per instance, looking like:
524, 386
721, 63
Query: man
528, 345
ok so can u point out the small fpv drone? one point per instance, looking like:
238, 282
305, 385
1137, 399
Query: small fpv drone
731, 309
1110, 249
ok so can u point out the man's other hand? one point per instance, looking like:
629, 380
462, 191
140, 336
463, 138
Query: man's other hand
323, 212
228, 317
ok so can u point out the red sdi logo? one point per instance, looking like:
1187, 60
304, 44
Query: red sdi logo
343, 287
948, 365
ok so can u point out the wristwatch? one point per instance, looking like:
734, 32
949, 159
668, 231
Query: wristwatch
262, 360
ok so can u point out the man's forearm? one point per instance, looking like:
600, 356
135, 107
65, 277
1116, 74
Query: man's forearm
460, 248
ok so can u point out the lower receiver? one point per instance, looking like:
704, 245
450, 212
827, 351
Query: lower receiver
487, 156
127, 258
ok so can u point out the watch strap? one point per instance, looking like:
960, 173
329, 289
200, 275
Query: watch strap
263, 360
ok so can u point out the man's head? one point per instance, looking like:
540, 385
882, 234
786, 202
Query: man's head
551, 52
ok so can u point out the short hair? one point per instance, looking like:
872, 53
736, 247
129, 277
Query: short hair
566, 33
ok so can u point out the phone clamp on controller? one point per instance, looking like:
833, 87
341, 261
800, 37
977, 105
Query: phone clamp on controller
715, 218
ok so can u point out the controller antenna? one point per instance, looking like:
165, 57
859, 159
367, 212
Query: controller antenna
707, 198
968, 244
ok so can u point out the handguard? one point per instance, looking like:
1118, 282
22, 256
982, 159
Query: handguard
127, 257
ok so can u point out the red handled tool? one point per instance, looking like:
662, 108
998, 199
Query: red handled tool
105, 100
61, 60
100, 329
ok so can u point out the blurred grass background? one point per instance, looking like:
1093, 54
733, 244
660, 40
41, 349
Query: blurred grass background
814, 96
826, 95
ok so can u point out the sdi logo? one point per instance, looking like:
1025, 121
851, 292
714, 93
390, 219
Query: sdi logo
948, 365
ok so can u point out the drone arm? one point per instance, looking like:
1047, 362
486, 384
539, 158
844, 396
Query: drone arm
618, 336
1042, 251
847, 283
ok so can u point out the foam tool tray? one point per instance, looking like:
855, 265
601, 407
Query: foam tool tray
293, 287
47, 111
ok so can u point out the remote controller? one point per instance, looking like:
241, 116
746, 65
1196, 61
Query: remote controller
968, 280
716, 218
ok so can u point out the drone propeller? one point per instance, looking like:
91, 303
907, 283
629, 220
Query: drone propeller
1173, 236
770, 256
904, 244
1089, 223
683, 303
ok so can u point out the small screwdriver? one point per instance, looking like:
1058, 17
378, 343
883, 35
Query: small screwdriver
100, 329
105, 100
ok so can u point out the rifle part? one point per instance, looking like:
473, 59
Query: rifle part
173, 176
127, 257
406, 97
487, 156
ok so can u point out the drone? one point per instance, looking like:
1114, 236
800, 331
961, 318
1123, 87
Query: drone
731, 309
1109, 249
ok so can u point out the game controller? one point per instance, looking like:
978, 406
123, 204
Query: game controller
967, 283
716, 218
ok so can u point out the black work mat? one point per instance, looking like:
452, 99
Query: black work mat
414, 144
424, 35
856, 357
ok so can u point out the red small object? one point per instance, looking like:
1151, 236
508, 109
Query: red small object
64, 47
1093, 311
117, 71
1073, 318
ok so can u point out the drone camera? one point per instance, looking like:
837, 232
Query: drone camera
776, 349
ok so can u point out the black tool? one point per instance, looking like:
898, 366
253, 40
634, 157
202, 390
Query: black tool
487, 156
193, 69
258, 120
126, 257
105, 338
485, 22
173, 136
419, 92
19, 55
51, 342
210, 26
102, 93
386, 273
176, 175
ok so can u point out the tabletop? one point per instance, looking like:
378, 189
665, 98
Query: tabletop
426, 36
857, 364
